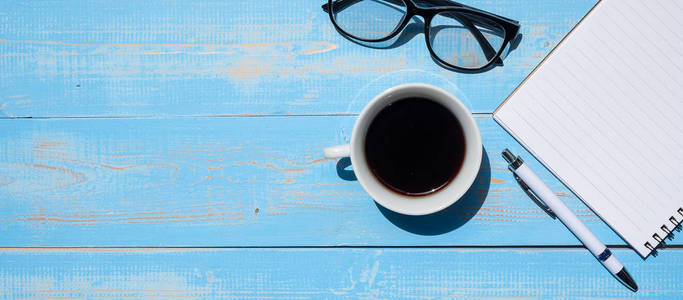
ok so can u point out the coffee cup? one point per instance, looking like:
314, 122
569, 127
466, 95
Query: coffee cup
393, 176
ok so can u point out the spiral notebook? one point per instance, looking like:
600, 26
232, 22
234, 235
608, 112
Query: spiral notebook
604, 113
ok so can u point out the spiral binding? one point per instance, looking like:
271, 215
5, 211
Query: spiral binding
669, 233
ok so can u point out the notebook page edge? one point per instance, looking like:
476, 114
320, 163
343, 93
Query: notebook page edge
495, 111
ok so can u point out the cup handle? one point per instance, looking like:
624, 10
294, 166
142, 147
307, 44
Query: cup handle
337, 151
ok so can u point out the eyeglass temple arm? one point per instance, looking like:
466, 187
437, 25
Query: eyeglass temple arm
453, 3
346, 3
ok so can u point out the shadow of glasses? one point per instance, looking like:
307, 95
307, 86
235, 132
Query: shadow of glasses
477, 26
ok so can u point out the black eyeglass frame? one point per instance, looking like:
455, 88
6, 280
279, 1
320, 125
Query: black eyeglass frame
510, 27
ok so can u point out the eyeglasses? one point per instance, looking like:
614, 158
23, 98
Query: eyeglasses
458, 36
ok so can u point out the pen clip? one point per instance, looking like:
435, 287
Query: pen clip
533, 197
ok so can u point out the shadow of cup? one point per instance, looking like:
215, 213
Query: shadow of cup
453, 216
443, 221
344, 171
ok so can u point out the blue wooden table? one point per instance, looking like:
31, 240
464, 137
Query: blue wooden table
172, 149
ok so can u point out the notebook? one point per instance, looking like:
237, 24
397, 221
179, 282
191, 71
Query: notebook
603, 112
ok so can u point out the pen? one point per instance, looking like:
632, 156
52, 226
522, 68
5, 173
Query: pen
551, 204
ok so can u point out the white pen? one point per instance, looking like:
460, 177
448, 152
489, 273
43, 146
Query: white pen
544, 197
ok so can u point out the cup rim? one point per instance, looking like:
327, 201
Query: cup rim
433, 202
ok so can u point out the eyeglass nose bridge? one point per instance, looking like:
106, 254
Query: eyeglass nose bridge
413, 10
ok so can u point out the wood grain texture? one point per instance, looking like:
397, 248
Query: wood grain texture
259, 181
161, 176
171, 58
330, 273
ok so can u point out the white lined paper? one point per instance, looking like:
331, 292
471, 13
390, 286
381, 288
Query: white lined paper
604, 113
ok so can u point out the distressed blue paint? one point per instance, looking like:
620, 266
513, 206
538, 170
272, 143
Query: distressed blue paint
256, 181
169, 58
199, 182
331, 273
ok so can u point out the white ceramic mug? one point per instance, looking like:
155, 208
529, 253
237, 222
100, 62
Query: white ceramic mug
413, 205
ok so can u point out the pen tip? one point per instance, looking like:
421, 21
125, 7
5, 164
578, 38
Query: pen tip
509, 157
626, 279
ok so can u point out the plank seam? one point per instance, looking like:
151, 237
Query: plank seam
511, 247
476, 114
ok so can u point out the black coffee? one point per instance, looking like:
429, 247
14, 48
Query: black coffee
415, 146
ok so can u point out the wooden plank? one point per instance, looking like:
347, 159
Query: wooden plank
170, 58
259, 181
331, 273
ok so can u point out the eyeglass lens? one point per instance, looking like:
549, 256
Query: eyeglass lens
369, 19
459, 41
